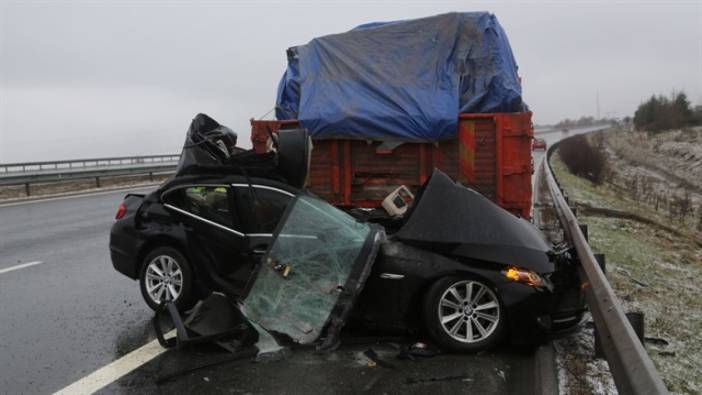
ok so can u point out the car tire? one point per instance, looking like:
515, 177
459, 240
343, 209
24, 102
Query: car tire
447, 314
166, 272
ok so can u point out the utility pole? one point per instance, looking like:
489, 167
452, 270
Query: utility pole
598, 104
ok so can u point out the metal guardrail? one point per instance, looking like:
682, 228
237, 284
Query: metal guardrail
570, 129
77, 169
631, 367
8, 168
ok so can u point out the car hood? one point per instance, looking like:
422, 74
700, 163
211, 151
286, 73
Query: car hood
449, 217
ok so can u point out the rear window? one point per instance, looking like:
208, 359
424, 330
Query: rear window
209, 202
263, 207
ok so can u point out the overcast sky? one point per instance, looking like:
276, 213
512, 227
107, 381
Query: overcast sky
112, 78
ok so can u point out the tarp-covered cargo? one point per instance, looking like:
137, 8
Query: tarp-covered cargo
405, 80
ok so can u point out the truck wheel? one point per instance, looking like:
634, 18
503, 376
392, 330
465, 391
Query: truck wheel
463, 314
166, 276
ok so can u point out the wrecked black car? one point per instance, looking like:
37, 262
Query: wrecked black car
454, 266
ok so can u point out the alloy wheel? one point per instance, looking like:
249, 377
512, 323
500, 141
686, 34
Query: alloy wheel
164, 279
469, 311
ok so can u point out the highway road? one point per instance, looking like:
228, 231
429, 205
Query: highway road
65, 313
71, 313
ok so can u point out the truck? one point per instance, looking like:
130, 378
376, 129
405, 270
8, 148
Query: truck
491, 154
386, 103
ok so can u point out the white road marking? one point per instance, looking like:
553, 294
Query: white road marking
21, 266
78, 195
116, 369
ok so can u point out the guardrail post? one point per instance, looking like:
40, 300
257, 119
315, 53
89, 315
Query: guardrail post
599, 353
151, 176
97, 182
26, 189
602, 262
583, 228
636, 319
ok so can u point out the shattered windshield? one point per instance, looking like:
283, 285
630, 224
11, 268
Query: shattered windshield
307, 269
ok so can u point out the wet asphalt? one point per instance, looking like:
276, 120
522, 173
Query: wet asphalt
72, 314
344, 371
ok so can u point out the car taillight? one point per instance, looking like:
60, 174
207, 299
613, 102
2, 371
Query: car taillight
121, 211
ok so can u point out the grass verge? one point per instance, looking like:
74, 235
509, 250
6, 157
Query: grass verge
651, 270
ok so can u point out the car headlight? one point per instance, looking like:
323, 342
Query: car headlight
525, 277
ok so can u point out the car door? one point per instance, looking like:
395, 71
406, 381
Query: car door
261, 209
217, 243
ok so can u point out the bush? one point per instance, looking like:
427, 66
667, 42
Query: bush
582, 159
660, 113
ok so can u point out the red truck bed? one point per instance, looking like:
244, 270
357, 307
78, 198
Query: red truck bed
491, 154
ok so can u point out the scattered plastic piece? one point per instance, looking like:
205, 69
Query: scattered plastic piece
375, 359
418, 349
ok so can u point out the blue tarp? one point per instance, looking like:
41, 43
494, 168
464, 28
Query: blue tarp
404, 80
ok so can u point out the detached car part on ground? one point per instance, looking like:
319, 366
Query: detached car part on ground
455, 266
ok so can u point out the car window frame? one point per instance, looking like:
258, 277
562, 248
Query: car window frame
230, 199
245, 219
234, 205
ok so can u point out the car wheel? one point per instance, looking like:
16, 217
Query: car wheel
463, 314
166, 276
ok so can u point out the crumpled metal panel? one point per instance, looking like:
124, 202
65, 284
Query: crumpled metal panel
449, 216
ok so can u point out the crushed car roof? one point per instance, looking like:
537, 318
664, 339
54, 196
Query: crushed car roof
210, 149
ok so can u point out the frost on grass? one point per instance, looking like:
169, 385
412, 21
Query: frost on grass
654, 274
651, 270
676, 152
